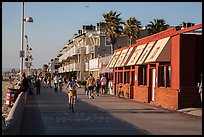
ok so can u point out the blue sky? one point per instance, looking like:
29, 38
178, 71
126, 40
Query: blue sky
56, 22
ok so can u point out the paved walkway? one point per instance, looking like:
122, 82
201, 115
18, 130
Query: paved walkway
48, 114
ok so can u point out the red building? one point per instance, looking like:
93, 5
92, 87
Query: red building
162, 69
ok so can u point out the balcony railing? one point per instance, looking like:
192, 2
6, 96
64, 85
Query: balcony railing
60, 70
90, 49
74, 67
74, 51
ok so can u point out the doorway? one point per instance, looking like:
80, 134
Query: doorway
132, 84
152, 83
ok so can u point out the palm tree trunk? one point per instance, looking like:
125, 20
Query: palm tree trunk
112, 48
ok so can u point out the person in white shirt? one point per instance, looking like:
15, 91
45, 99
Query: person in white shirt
103, 84
56, 82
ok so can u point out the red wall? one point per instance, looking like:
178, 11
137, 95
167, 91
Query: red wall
141, 94
166, 97
186, 67
175, 62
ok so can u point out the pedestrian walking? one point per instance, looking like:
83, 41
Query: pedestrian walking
49, 82
45, 81
38, 85
98, 85
103, 84
91, 84
60, 82
30, 86
56, 82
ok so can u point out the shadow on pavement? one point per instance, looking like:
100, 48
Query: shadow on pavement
48, 114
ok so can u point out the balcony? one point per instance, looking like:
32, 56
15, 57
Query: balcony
67, 68
74, 67
86, 66
68, 54
74, 51
60, 70
93, 64
90, 49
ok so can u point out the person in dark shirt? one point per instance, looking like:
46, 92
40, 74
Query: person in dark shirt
30, 86
24, 83
23, 86
98, 85
38, 85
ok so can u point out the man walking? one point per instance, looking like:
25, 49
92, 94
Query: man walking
103, 84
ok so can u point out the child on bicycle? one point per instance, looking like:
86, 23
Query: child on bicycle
72, 85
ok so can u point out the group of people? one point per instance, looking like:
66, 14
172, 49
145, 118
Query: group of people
28, 84
46, 80
58, 83
98, 84
91, 83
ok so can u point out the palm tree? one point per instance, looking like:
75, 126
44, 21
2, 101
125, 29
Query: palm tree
156, 26
132, 28
113, 27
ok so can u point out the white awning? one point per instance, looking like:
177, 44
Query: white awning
114, 60
136, 54
121, 57
110, 61
127, 56
145, 53
160, 52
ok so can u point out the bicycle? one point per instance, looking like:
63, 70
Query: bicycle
72, 93
72, 96
72, 99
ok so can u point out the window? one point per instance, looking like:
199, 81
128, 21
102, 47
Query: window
164, 76
161, 77
120, 77
57, 66
168, 76
142, 75
127, 77
107, 42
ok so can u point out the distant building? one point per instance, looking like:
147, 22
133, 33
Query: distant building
53, 66
82, 52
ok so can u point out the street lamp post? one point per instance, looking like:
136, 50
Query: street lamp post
28, 57
29, 19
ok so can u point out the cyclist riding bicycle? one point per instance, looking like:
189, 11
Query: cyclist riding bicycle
72, 85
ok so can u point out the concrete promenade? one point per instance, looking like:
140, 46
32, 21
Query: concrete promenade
48, 114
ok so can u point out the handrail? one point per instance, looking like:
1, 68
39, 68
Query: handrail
11, 125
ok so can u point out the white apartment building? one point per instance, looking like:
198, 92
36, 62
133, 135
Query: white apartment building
83, 52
